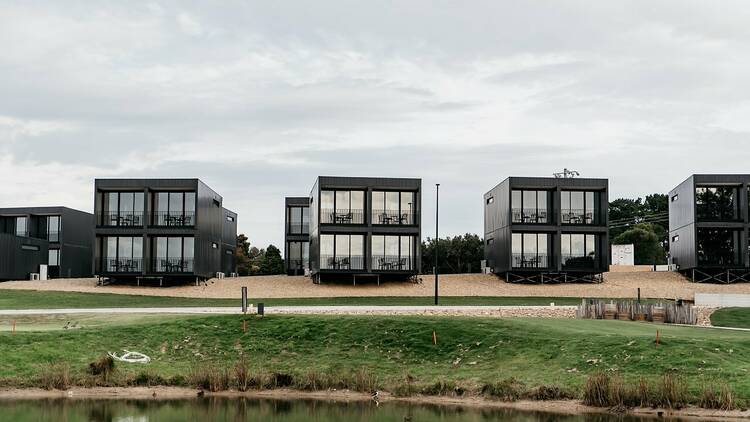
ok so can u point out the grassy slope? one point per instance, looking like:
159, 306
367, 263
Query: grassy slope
731, 317
536, 351
31, 299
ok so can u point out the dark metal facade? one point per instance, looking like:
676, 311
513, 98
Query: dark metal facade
296, 235
709, 226
162, 228
67, 232
538, 240
21, 256
365, 222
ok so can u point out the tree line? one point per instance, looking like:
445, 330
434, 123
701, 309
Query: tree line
641, 222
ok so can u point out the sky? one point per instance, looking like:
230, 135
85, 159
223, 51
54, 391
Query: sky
259, 98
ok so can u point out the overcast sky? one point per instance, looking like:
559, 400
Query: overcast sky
258, 98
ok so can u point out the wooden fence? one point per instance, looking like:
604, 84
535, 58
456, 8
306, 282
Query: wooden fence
671, 313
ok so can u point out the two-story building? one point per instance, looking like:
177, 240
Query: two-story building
162, 229
365, 227
297, 235
709, 227
66, 237
540, 229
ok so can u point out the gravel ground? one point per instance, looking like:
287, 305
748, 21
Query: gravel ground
616, 285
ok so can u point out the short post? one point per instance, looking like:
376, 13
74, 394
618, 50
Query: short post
244, 325
244, 299
639, 295
261, 309
13, 330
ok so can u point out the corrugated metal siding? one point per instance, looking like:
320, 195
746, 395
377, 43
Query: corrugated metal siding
17, 263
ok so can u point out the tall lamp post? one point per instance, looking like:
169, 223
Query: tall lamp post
437, 204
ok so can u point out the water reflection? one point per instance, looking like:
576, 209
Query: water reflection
243, 409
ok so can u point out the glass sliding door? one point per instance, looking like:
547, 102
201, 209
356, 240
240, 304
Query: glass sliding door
174, 254
579, 207
174, 209
530, 206
341, 252
123, 254
578, 250
529, 250
392, 253
342, 206
393, 208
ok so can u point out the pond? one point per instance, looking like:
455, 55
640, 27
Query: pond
245, 409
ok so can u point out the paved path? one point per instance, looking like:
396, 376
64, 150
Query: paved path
469, 310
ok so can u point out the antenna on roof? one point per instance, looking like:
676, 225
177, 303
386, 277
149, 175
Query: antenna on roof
566, 174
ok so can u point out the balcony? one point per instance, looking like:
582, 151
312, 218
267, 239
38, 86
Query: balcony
718, 260
394, 218
173, 265
532, 216
123, 265
577, 262
391, 263
298, 228
119, 219
527, 261
331, 262
579, 217
342, 216
174, 219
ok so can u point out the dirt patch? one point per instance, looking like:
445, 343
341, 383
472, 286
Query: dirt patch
616, 285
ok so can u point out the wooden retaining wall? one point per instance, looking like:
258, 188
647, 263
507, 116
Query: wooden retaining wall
671, 313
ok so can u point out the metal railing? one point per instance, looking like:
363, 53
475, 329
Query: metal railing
529, 261
394, 218
120, 219
391, 263
578, 261
726, 260
173, 265
173, 219
574, 216
123, 265
298, 228
331, 262
532, 216
714, 212
342, 216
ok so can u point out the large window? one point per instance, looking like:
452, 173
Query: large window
342, 252
531, 206
123, 254
530, 250
342, 207
53, 228
393, 207
298, 253
718, 247
579, 207
174, 208
393, 253
578, 250
174, 254
122, 209
22, 226
299, 220
717, 203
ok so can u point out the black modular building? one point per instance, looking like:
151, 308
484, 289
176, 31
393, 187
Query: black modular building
365, 227
297, 235
543, 229
162, 229
709, 227
59, 237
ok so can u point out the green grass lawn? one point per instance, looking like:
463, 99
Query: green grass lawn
731, 317
470, 351
32, 299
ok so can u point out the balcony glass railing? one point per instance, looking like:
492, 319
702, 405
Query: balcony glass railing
174, 219
173, 265
532, 216
579, 217
120, 219
391, 263
530, 261
342, 216
123, 265
330, 262
717, 260
577, 261
298, 228
394, 218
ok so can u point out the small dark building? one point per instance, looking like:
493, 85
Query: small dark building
162, 229
540, 229
297, 235
68, 234
365, 227
20, 256
709, 227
